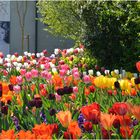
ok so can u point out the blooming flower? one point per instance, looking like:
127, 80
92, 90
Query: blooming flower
91, 112
86, 79
74, 130
28, 76
138, 66
17, 88
64, 117
107, 120
19, 80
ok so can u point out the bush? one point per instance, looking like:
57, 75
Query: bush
112, 33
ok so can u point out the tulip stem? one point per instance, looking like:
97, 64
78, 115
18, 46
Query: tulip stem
125, 129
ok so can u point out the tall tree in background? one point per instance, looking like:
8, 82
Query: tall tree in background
111, 29
62, 17
22, 7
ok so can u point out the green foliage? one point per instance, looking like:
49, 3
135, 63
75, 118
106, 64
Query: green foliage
62, 17
108, 29
112, 33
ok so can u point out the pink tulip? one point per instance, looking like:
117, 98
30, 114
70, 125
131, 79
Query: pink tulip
34, 73
49, 76
62, 73
22, 71
47, 66
74, 70
44, 74
64, 67
76, 75
19, 80
17, 88
86, 79
75, 89
28, 76
5, 73
58, 97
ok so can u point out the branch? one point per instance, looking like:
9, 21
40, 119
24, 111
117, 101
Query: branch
18, 12
25, 12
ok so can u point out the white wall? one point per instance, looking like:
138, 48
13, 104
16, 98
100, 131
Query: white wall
44, 39
15, 32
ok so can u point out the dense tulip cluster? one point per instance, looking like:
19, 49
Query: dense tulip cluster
57, 96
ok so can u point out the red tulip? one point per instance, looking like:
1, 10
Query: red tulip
120, 108
138, 66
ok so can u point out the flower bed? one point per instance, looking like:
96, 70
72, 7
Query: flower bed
57, 96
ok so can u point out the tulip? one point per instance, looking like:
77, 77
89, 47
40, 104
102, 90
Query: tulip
17, 88
75, 89
138, 66
28, 76
34, 73
90, 72
76, 75
22, 71
19, 80
64, 117
86, 79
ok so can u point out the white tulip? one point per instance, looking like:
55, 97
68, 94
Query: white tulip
42, 66
41, 54
84, 73
98, 73
52, 56
8, 56
34, 61
8, 60
90, 72
12, 57
68, 72
1, 61
29, 54
9, 65
19, 65
54, 70
26, 64
38, 55
25, 53
135, 75
19, 58
106, 72
56, 51
116, 71
17, 68
15, 63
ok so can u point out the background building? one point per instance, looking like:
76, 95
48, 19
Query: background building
35, 37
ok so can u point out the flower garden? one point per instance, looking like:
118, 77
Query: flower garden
56, 96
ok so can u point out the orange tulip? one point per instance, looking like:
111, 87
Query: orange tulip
5, 88
138, 66
7, 134
133, 92
87, 91
64, 117
107, 120
13, 80
135, 110
25, 135
57, 81
74, 130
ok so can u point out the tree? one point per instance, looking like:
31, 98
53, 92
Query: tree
113, 32
22, 18
62, 17
108, 29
